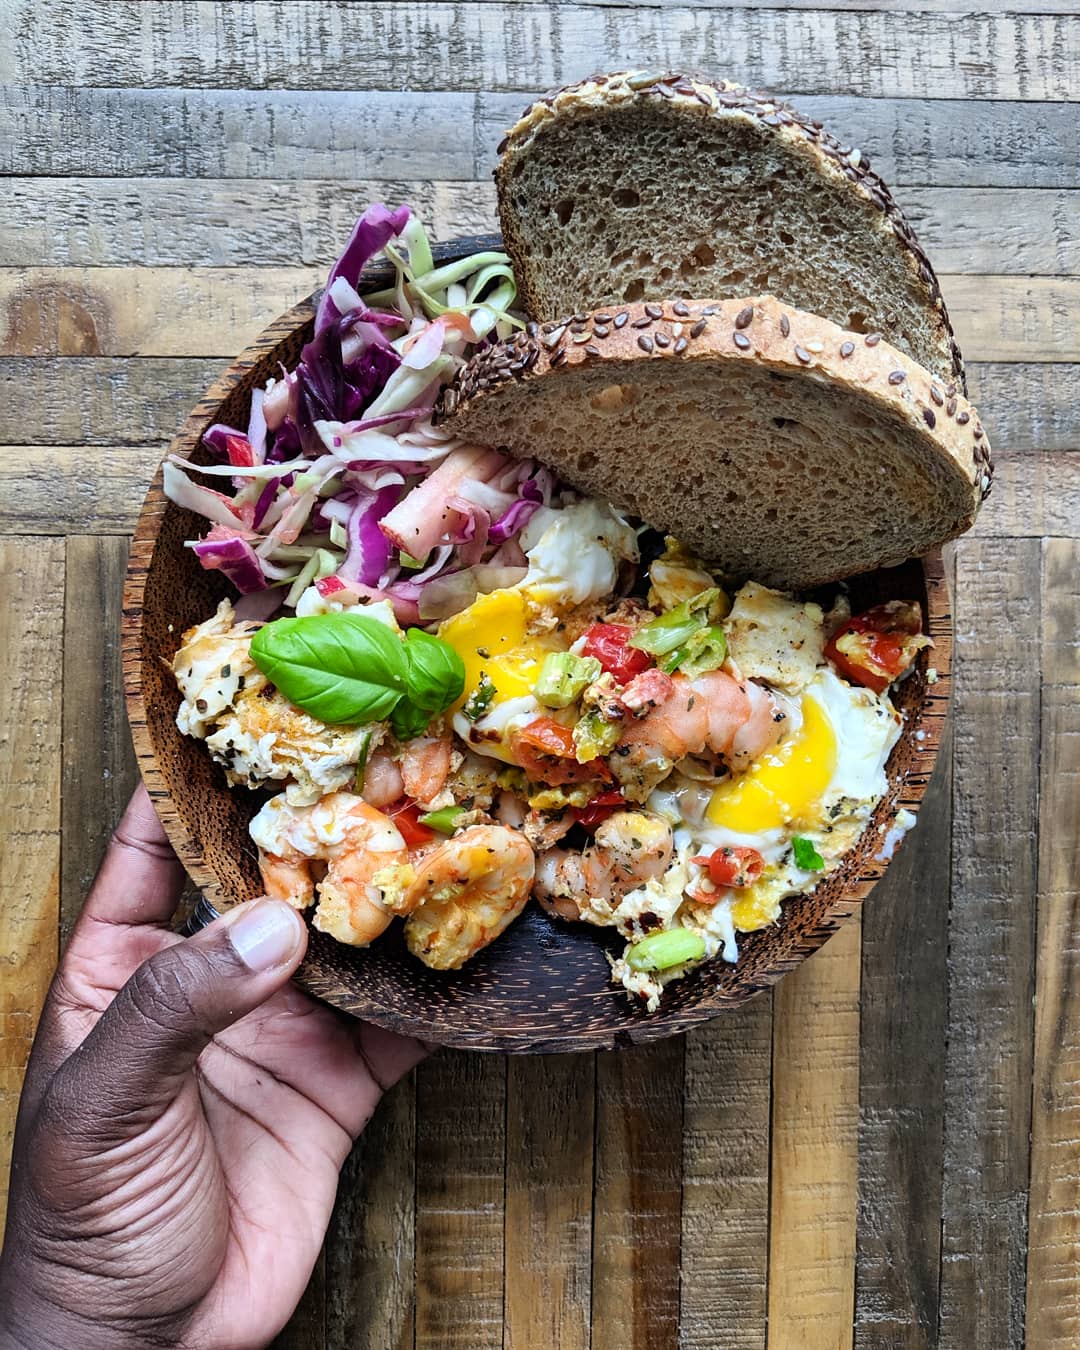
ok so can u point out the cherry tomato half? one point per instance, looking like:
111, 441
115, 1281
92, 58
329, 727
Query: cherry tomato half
875, 648
732, 866
545, 749
607, 642
406, 817
601, 806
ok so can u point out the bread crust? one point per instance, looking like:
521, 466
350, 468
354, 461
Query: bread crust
697, 96
759, 331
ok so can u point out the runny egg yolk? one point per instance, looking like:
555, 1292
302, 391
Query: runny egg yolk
491, 639
785, 786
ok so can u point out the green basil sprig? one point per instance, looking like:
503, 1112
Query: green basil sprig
348, 669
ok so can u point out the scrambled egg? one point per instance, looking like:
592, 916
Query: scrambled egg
251, 729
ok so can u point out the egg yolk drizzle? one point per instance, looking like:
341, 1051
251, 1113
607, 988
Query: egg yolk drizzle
491, 639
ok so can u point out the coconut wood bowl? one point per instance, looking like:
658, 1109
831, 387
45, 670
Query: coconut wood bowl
543, 986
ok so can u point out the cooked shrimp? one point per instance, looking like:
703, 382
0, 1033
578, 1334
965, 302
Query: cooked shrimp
706, 713
425, 766
629, 848
383, 783
353, 838
463, 893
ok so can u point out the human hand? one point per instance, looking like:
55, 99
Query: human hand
185, 1115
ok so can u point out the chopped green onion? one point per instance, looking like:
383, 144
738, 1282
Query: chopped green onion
361, 762
594, 737
480, 699
807, 858
444, 820
706, 650
661, 951
564, 677
676, 627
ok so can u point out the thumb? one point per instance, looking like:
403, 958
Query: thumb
131, 1064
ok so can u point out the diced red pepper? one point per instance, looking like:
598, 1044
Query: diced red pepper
545, 749
875, 648
608, 643
406, 816
241, 455
601, 806
732, 866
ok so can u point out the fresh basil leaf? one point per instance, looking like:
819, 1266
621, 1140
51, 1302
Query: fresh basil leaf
407, 720
435, 674
341, 668
806, 855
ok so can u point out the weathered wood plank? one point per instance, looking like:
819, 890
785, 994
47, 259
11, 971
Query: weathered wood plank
99, 770
550, 1116
213, 133
460, 1186
480, 47
637, 1211
725, 1216
901, 1068
31, 661
949, 142
161, 222
100, 401
1053, 1263
216, 311
115, 222
370, 1251
815, 1149
900, 6
1034, 494
114, 401
989, 1030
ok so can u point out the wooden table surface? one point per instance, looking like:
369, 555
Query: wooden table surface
885, 1152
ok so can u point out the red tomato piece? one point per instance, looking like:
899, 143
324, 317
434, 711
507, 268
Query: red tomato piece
608, 643
545, 749
406, 816
732, 866
601, 806
875, 648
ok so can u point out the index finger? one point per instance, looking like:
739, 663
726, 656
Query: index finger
140, 879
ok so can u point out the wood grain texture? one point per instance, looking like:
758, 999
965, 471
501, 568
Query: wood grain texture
1053, 1263
550, 1119
901, 1074
725, 1214
990, 1025
370, 1246
115, 401
814, 1173
99, 770
289, 44
637, 1210
461, 1105
118, 222
211, 311
31, 642
234, 133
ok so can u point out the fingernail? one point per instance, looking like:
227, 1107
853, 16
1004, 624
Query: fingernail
266, 935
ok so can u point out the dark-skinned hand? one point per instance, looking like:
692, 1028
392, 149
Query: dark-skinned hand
185, 1115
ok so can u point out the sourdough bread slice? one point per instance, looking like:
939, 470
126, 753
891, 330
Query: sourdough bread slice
639, 186
772, 442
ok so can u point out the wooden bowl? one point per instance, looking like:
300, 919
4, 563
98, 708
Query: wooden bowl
543, 986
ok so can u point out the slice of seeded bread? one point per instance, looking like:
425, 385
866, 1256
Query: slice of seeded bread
774, 443
640, 186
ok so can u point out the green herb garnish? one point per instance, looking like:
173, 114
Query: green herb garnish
807, 858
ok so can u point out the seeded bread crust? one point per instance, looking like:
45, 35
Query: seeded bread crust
696, 96
586, 371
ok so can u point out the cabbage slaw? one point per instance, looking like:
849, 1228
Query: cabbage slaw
340, 481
